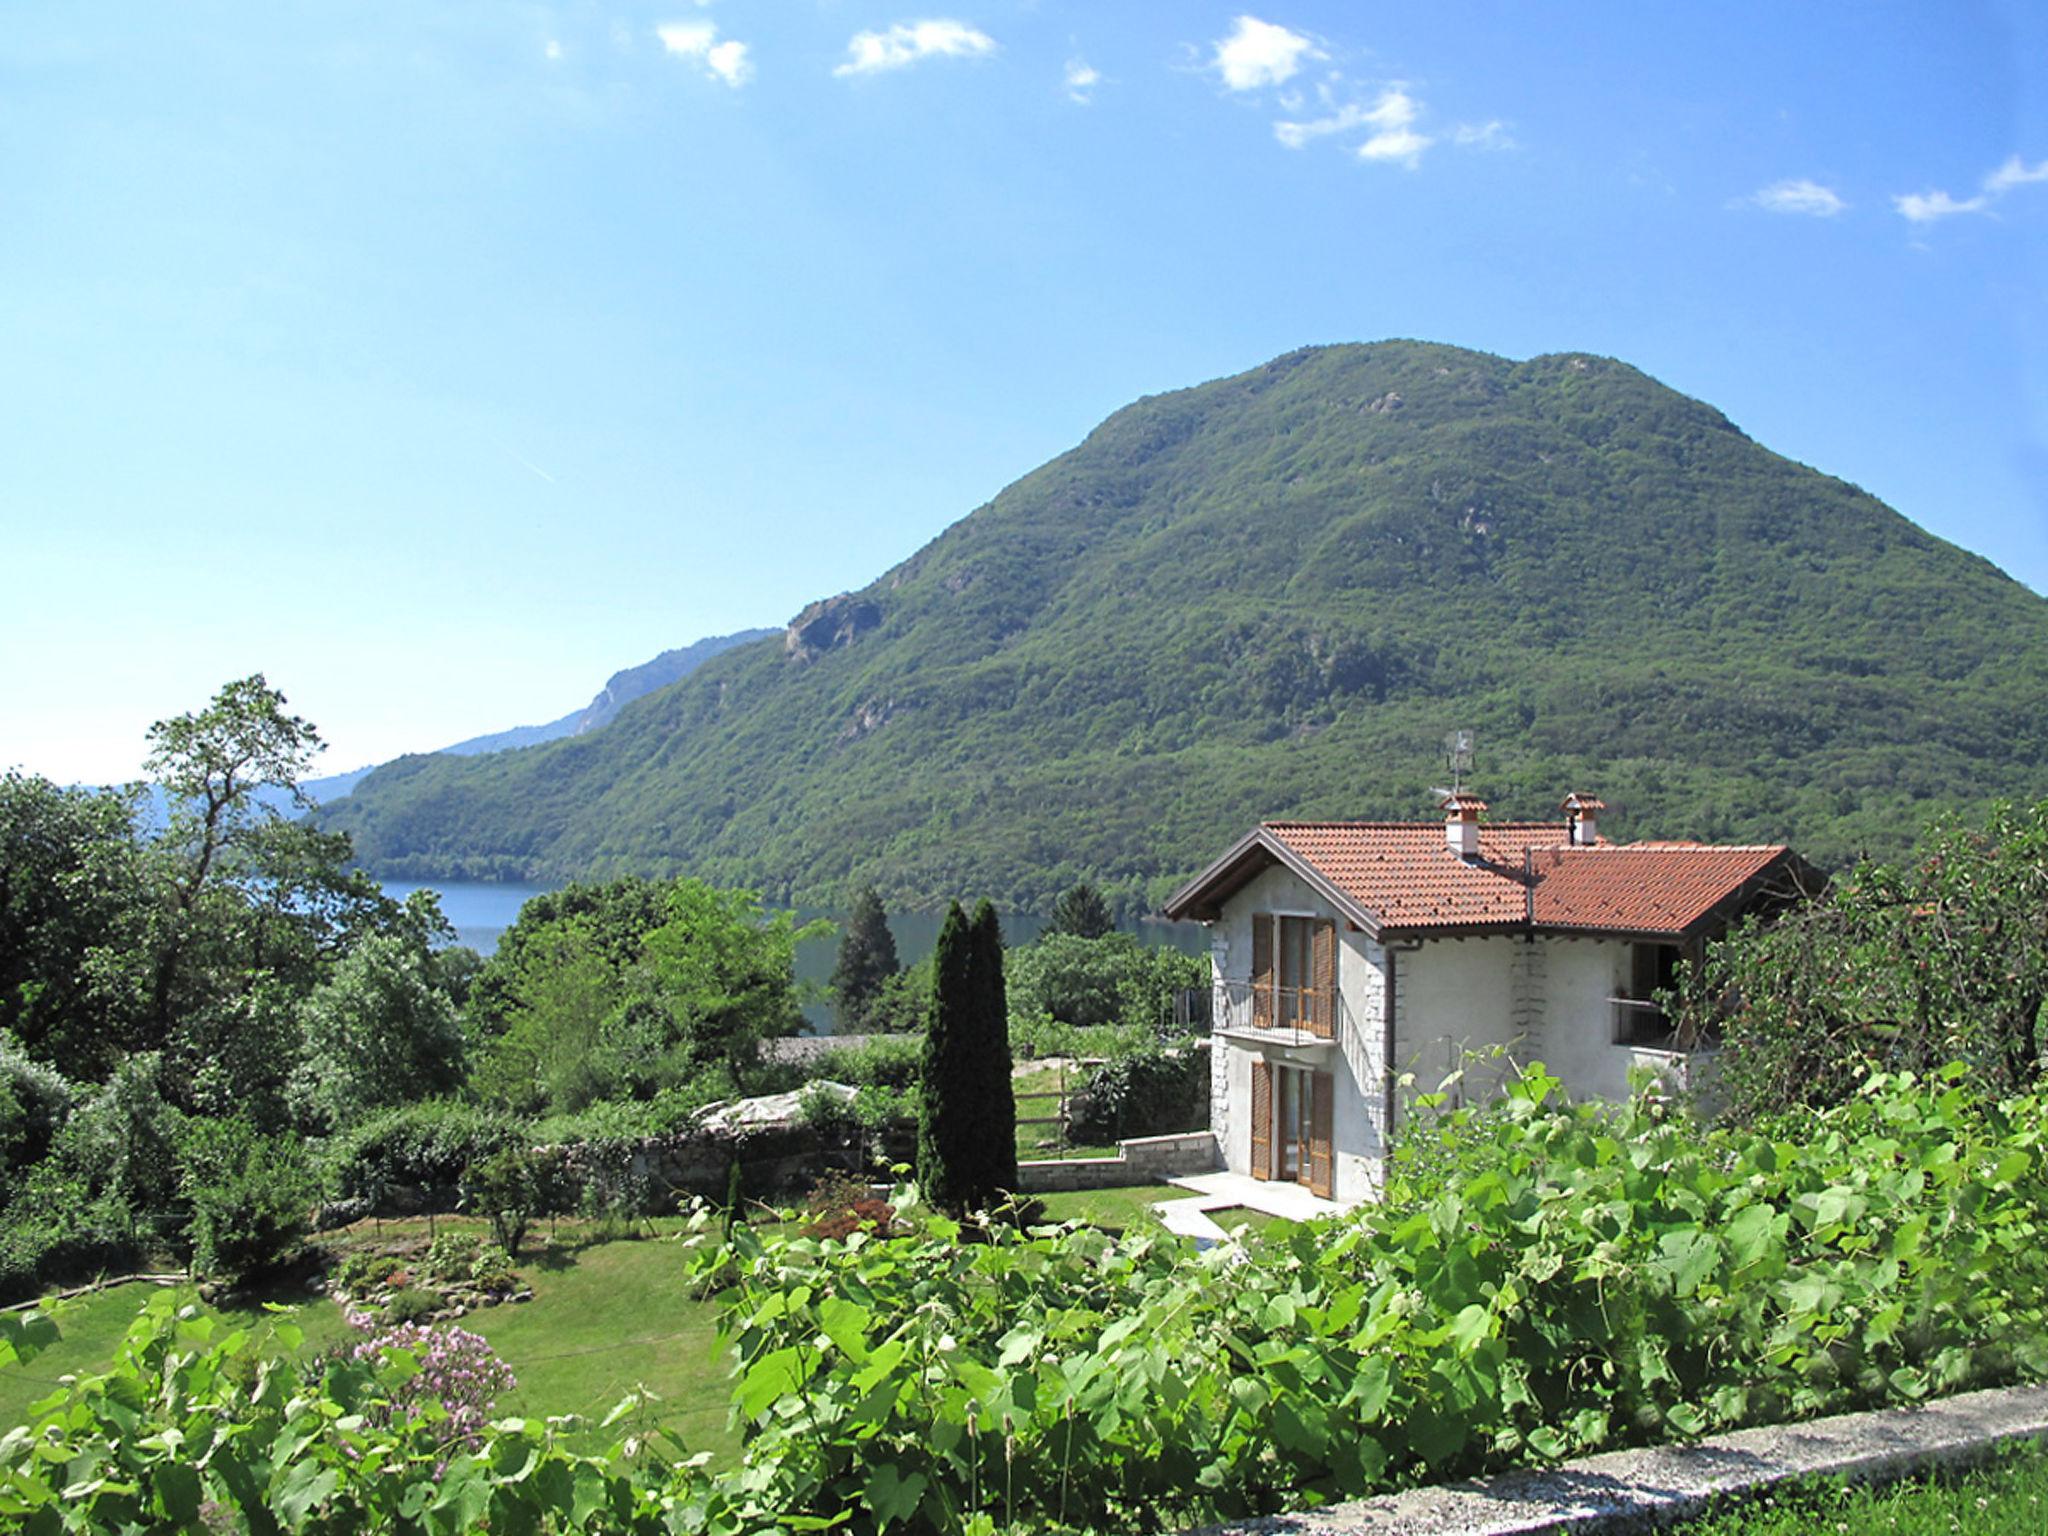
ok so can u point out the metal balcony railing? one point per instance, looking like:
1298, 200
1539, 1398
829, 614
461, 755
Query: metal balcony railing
1281, 1015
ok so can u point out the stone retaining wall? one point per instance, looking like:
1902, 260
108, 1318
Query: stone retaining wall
1139, 1160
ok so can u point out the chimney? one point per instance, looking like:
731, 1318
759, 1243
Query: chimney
1461, 823
1582, 816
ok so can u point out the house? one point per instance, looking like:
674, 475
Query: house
1346, 954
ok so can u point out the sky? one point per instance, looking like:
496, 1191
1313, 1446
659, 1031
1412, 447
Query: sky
438, 359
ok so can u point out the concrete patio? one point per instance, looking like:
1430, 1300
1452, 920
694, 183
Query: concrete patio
1194, 1217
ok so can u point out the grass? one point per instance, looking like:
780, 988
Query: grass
603, 1319
2005, 1497
1116, 1209
1049, 1079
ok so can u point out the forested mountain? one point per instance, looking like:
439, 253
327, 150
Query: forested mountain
625, 685
1271, 595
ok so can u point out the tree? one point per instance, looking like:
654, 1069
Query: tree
376, 1035
967, 1109
867, 960
725, 968
250, 1196
1110, 980
73, 923
1082, 912
1911, 966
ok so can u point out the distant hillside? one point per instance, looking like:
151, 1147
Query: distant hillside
624, 687
1270, 595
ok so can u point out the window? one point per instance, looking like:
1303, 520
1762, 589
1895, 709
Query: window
1637, 1018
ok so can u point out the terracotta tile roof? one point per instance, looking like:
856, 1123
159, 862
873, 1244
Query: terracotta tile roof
1405, 877
1642, 887
1405, 873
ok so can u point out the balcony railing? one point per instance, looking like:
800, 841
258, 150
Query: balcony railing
1279, 1015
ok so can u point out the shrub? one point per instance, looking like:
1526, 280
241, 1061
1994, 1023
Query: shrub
413, 1304
450, 1255
492, 1269
424, 1147
840, 1206
506, 1189
882, 1061
1153, 1093
360, 1270
251, 1197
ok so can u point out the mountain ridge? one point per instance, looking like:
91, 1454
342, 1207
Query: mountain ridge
1269, 595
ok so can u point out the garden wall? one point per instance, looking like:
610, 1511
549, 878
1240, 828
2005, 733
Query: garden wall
1139, 1160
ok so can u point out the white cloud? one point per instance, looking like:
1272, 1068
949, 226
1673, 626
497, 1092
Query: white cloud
699, 41
870, 53
554, 50
1402, 144
1492, 134
1799, 195
2014, 173
1258, 53
1927, 207
1082, 78
1389, 122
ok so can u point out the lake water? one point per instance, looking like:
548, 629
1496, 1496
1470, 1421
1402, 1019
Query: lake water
480, 912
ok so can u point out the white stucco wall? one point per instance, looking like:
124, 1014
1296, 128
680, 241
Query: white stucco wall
1578, 1045
1357, 1062
1455, 997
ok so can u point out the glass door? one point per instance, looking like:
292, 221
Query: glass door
1292, 1088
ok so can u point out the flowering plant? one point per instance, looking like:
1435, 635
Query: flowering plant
459, 1377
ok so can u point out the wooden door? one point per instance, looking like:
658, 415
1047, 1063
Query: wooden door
1262, 1121
1321, 1161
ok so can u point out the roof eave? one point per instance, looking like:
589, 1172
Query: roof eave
1202, 898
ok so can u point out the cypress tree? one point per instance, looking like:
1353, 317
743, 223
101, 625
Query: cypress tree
967, 1112
867, 959
999, 1103
1082, 912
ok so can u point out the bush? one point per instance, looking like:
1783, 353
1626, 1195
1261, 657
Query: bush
421, 1147
840, 1206
882, 1061
251, 1197
450, 1255
505, 1188
1154, 1093
360, 1271
413, 1304
1111, 980
56, 1229
492, 1269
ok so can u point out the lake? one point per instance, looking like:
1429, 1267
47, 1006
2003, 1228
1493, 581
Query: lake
481, 911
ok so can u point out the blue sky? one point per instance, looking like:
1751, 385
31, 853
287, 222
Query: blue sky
439, 359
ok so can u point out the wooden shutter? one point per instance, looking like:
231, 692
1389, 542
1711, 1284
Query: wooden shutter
1322, 1115
1322, 1008
1262, 969
1262, 1120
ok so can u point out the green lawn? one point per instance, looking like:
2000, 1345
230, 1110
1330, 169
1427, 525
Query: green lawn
1119, 1209
603, 1318
2008, 1497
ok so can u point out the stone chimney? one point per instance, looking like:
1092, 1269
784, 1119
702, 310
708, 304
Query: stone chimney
1461, 823
1582, 816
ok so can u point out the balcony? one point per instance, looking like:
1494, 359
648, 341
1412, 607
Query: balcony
1303, 1018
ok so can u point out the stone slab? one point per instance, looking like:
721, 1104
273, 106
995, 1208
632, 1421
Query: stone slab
1629, 1491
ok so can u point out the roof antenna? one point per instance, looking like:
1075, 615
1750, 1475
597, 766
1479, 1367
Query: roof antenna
1458, 760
